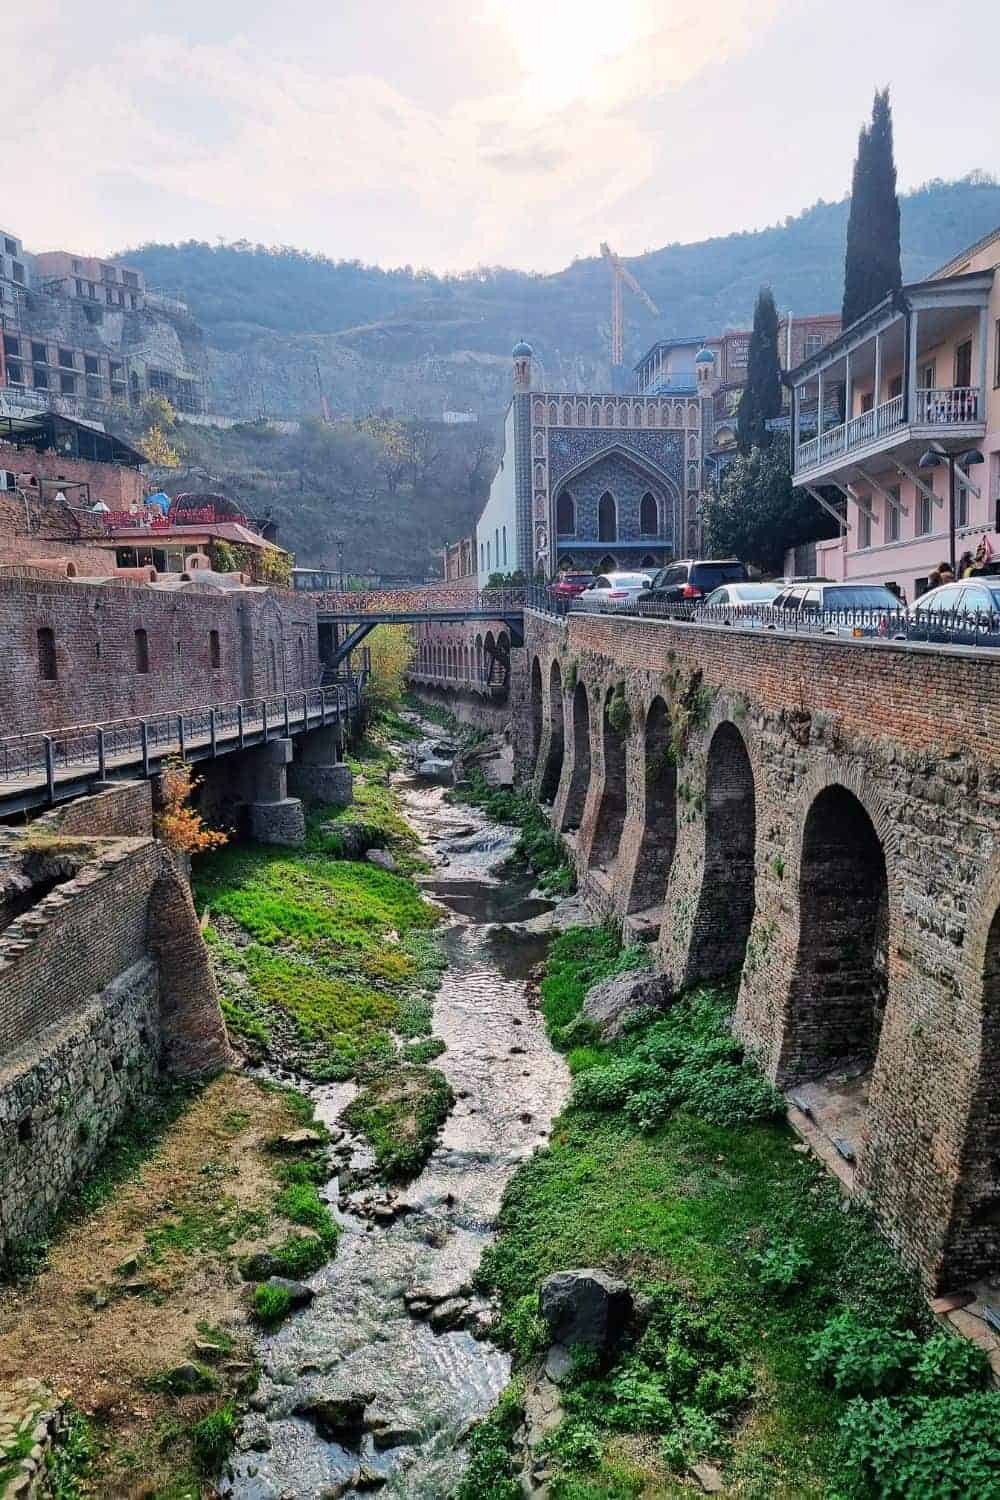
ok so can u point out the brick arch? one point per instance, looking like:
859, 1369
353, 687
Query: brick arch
843, 867
549, 765
727, 897
577, 764
610, 815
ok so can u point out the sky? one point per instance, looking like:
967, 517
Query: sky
457, 133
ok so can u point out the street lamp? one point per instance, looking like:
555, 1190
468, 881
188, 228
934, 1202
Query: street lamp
933, 460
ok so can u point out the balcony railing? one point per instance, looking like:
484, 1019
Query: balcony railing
947, 406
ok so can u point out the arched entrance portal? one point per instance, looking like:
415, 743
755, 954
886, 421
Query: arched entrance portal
611, 813
659, 833
839, 983
607, 518
726, 902
554, 758
580, 779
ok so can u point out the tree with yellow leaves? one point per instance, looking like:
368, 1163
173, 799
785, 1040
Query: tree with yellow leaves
177, 823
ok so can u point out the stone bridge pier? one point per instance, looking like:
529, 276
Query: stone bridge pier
819, 821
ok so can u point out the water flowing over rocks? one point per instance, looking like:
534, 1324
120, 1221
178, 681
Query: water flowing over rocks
374, 1385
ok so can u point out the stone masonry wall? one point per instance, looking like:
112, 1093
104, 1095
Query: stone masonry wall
760, 728
63, 1093
267, 645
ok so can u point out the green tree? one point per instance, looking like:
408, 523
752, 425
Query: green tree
872, 266
756, 513
761, 398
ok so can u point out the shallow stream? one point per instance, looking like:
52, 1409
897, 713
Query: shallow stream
358, 1336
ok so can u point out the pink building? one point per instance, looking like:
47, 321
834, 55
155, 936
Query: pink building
918, 375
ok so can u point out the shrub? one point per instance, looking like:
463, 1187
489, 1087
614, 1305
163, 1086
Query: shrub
212, 1439
781, 1266
177, 823
297, 1256
489, 1475
619, 713
921, 1449
950, 1366
300, 1203
862, 1361
269, 1304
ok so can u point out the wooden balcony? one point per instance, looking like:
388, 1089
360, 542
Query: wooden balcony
951, 410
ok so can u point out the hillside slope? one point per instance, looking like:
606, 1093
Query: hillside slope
420, 343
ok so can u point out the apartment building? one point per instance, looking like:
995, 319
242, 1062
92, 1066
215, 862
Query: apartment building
900, 417
104, 281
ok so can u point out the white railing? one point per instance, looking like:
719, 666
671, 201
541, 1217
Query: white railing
857, 433
947, 406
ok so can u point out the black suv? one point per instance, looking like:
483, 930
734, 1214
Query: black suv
688, 580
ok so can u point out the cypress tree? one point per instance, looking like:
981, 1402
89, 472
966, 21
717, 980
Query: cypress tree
872, 262
761, 397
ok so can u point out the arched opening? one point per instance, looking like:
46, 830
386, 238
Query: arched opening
536, 709
839, 985
554, 759
648, 561
580, 780
47, 666
142, 651
659, 832
565, 514
726, 901
479, 658
974, 1243
607, 518
611, 813
649, 516
489, 657
607, 564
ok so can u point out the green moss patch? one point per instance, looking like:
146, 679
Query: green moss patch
400, 1111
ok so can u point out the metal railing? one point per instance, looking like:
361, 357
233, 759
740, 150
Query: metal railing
942, 406
146, 740
947, 406
932, 627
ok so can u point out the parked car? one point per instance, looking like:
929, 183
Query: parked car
854, 609
690, 579
963, 613
569, 585
735, 600
613, 591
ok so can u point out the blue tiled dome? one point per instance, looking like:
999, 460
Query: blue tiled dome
704, 357
521, 348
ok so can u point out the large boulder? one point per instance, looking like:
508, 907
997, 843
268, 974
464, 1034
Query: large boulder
585, 1307
610, 1002
337, 1419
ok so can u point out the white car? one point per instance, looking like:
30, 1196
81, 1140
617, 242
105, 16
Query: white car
612, 591
736, 601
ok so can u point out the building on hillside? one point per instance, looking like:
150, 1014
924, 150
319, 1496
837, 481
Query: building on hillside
593, 481
459, 559
897, 396
85, 337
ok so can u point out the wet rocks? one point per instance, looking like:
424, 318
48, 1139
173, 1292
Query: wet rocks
610, 1003
337, 1419
438, 772
585, 1307
295, 1141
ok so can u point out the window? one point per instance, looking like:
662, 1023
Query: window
811, 344
505, 546
963, 364
11, 345
864, 529
496, 545
47, 668
489, 563
130, 278
15, 373
926, 374
607, 518
41, 378
79, 287
108, 273
91, 365
94, 391
10, 246
923, 514
867, 401
66, 358
649, 520
961, 503
39, 353
67, 384
141, 651
116, 370
8, 480
892, 516
17, 272
565, 515
77, 266
482, 558
215, 650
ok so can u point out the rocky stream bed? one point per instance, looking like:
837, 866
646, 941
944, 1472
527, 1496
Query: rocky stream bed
373, 1385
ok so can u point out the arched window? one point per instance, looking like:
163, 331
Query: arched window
488, 562
215, 650
539, 445
47, 667
565, 515
581, 415
595, 415
482, 558
567, 414
607, 564
607, 518
649, 519
539, 413
553, 413
539, 476
141, 651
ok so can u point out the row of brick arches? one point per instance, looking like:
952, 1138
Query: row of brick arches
672, 824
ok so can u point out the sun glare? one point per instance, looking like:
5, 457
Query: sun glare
567, 44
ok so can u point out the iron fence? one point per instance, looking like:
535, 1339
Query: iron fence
148, 739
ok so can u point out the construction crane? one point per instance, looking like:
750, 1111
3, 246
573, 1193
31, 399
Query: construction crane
621, 274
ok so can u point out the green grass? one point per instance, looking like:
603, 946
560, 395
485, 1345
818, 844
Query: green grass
300, 1203
270, 1304
671, 1169
212, 1439
297, 1256
400, 1111
320, 960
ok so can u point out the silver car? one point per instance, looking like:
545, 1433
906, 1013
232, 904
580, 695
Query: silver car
612, 591
736, 601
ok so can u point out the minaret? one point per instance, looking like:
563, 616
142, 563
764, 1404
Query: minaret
522, 356
524, 551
